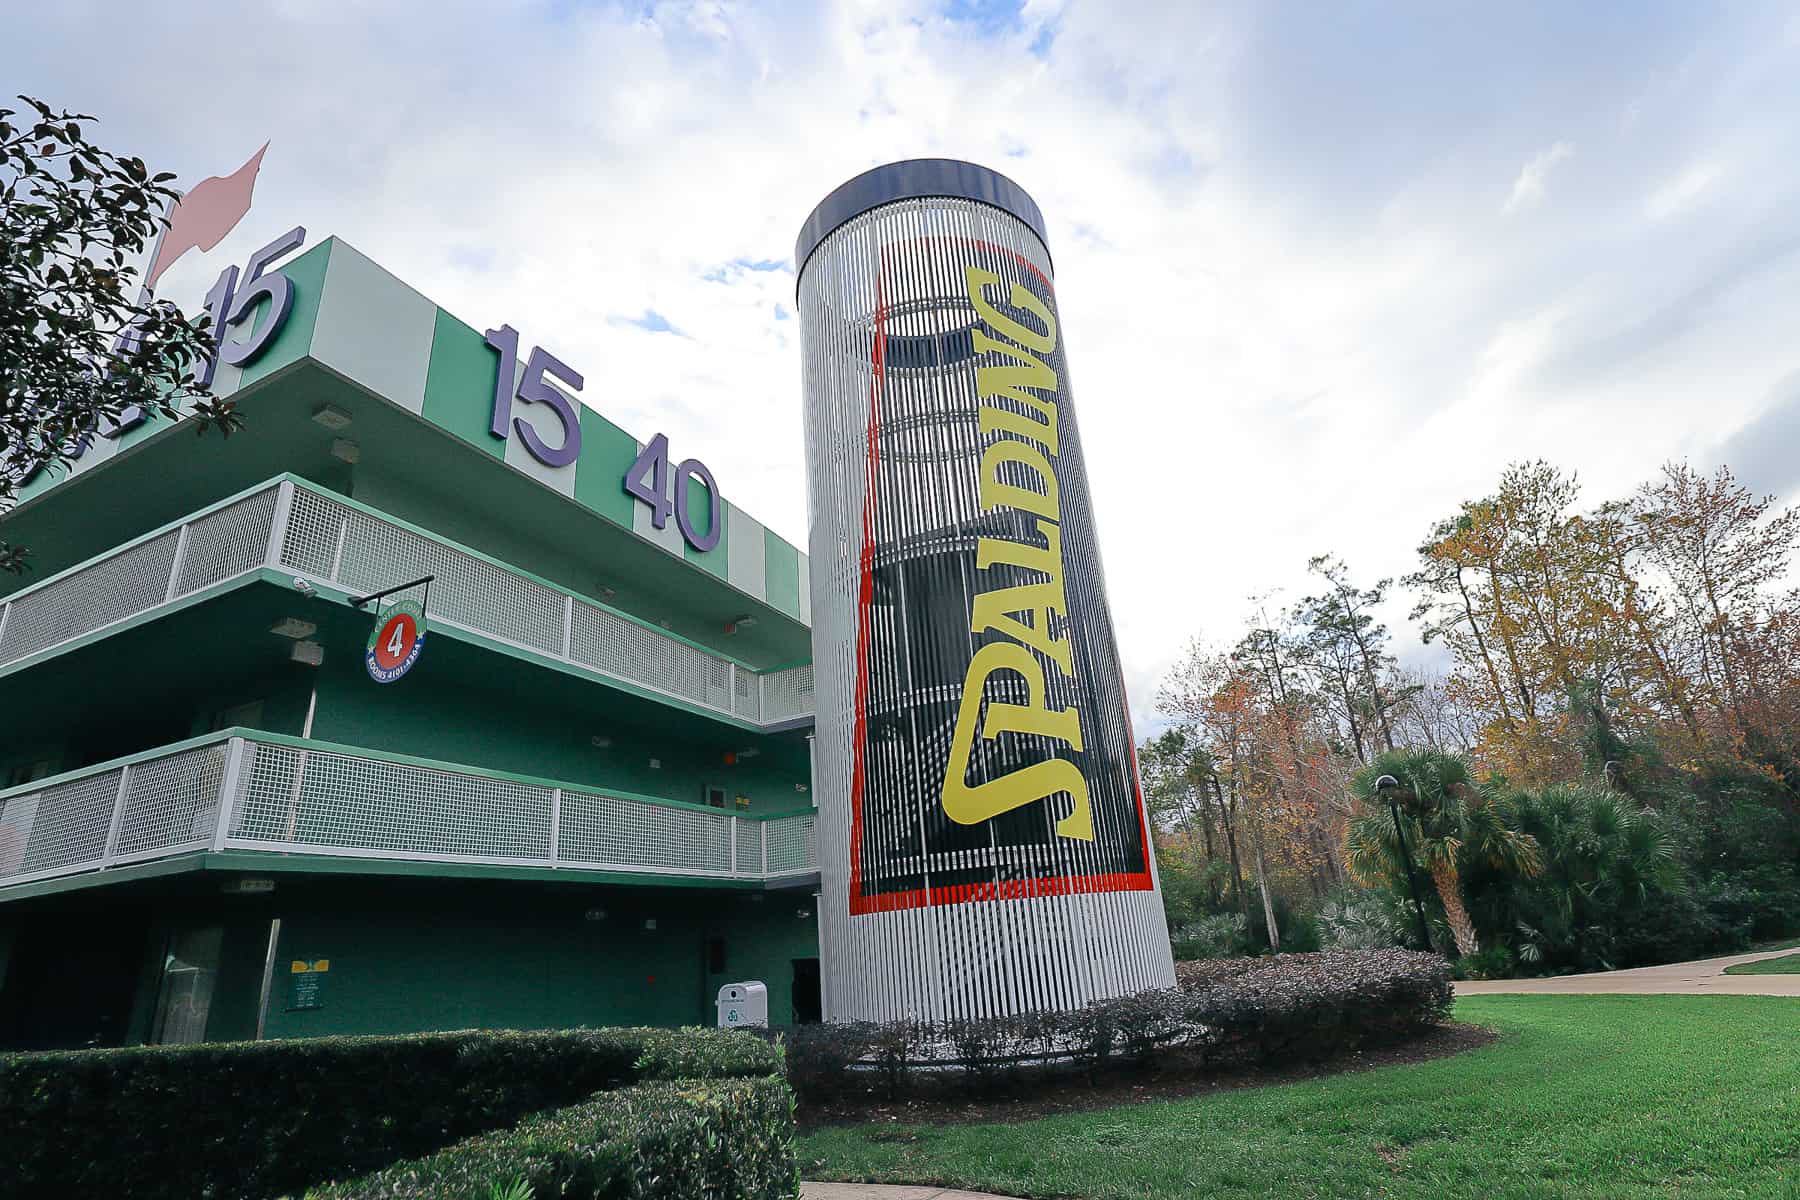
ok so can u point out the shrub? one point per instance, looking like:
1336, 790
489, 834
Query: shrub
1754, 905
1215, 935
1290, 1007
675, 1140
1359, 918
253, 1119
820, 1057
1278, 1008
1490, 962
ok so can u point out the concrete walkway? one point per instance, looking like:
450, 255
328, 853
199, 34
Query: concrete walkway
1705, 977
883, 1191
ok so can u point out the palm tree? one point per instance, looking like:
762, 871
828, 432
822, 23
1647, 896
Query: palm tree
1603, 854
1450, 823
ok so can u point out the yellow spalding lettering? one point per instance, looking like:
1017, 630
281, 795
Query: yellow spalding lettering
994, 494
994, 609
1021, 296
1010, 379
972, 805
1005, 420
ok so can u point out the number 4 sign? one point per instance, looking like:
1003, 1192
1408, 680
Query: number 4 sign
395, 642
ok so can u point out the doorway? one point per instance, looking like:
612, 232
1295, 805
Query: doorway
70, 983
808, 1005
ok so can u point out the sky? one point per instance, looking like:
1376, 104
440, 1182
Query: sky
1323, 270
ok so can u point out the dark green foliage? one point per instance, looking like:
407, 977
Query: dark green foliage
1492, 962
1217, 932
253, 1119
730, 1138
820, 1057
1297, 1007
1611, 891
1650, 867
1278, 1008
1215, 935
1753, 905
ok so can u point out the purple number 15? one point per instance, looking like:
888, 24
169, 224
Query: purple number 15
534, 389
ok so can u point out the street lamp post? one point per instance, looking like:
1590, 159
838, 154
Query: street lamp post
1385, 787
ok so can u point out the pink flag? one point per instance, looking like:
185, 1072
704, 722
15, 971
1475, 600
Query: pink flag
207, 213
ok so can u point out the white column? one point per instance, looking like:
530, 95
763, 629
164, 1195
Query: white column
228, 789
284, 507
181, 545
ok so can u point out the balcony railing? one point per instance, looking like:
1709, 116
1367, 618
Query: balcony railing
247, 790
293, 527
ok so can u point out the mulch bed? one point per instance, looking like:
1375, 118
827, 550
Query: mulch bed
1074, 1094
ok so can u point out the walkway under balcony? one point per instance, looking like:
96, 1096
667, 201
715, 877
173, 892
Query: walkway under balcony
247, 800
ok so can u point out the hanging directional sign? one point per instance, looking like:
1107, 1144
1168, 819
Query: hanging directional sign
394, 645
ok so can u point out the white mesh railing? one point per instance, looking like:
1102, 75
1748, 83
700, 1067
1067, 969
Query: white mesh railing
174, 563
340, 544
317, 535
143, 810
313, 799
788, 845
788, 694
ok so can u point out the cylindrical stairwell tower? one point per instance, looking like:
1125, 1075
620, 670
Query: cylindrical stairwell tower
983, 843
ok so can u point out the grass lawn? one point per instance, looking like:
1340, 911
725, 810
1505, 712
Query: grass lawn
1787, 964
1619, 1097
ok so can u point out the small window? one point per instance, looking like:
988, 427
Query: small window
715, 797
715, 955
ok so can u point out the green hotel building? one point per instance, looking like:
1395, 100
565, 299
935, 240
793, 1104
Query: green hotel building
581, 797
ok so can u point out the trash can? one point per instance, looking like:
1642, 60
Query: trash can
744, 1004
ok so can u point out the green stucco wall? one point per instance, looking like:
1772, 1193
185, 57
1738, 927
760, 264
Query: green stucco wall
517, 956
419, 954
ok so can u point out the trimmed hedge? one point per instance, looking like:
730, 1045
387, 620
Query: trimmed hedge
1283, 1008
256, 1119
723, 1139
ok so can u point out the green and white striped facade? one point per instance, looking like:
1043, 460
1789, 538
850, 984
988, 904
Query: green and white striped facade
356, 319
588, 803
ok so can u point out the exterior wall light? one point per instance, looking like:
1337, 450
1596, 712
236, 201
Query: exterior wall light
346, 451
308, 654
294, 627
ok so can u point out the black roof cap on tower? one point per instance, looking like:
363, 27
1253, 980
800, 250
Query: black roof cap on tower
913, 179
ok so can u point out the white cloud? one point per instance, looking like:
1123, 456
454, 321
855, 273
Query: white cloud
1682, 192
1528, 188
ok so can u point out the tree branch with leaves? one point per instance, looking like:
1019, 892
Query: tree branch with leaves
84, 351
